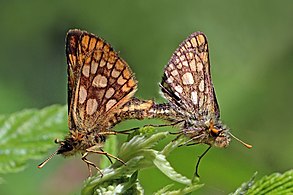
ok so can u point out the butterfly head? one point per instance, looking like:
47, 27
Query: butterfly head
219, 135
66, 147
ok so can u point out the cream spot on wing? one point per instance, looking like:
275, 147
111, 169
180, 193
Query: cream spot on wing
109, 93
100, 81
201, 98
194, 97
94, 67
200, 39
185, 63
193, 42
201, 86
86, 70
187, 79
82, 94
125, 88
171, 66
174, 73
91, 106
170, 79
102, 63
166, 73
189, 56
177, 94
192, 65
109, 65
182, 58
178, 88
179, 65
110, 104
115, 73
121, 80
199, 67
131, 107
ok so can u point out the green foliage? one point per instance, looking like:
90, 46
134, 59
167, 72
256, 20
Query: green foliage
138, 153
28, 135
275, 183
186, 190
251, 65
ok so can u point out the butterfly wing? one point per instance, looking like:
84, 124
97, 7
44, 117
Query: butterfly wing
99, 81
187, 83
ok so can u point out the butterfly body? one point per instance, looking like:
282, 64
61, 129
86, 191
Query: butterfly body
188, 87
100, 82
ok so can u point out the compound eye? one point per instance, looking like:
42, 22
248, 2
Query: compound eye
67, 147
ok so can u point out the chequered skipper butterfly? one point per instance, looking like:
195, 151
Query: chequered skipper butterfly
99, 84
192, 102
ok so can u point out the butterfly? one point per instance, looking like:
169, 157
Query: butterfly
192, 103
100, 82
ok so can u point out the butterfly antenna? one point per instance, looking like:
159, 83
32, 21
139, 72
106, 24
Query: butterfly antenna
49, 158
239, 140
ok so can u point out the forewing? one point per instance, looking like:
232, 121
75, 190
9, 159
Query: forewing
187, 82
103, 81
73, 69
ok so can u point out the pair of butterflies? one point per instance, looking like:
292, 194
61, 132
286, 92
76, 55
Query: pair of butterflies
101, 87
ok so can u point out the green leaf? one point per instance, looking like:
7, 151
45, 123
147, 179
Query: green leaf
28, 135
186, 190
245, 186
275, 183
135, 153
123, 185
138, 153
164, 166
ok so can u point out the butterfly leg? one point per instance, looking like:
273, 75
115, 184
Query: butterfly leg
108, 155
104, 133
117, 132
89, 163
199, 159
164, 125
179, 134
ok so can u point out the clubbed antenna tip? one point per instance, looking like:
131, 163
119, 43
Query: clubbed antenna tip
239, 140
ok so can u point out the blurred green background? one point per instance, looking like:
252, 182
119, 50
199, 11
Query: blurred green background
251, 52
